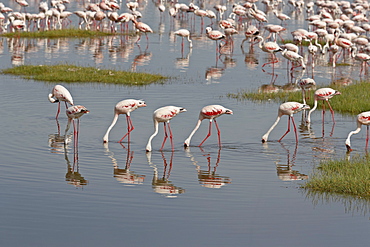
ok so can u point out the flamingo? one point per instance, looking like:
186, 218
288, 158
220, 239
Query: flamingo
214, 35
184, 33
269, 47
74, 112
59, 94
124, 107
306, 84
323, 94
210, 112
287, 108
293, 57
143, 28
164, 115
362, 119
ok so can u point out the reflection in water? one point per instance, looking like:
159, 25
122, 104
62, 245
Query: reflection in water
183, 61
284, 171
161, 184
56, 143
124, 175
140, 60
73, 176
209, 178
351, 204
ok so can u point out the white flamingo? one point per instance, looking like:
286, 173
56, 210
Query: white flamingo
287, 108
164, 115
210, 112
124, 107
59, 94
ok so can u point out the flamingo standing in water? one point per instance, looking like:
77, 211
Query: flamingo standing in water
184, 33
59, 94
143, 28
215, 35
287, 108
306, 84
269, 47
362, 119
323, 94
210, 112
124, 107
74, 112
164, 115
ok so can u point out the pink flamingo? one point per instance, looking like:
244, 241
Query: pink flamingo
294, 57
59, 94
143, 28
210, 112
164, 115
287, 108
323, 94
184, 33
214, 35
74, 112
124, 107
306, 84
362, 119
269, 47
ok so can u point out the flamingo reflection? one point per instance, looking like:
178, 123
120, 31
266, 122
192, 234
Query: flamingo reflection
140, 60
285, 172
124, 175
208, 177
73, 175
161, 184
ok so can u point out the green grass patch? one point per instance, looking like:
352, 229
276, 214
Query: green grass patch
353, 100
63, 33
72, 73
342, 176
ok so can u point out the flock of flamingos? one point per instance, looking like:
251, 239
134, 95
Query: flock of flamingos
337, 28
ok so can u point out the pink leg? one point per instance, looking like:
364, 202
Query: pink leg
171, 139
367, 136
208, 135
58, 111
331, 110
295, 130
130, 127
218, 133
286, 131
165, 136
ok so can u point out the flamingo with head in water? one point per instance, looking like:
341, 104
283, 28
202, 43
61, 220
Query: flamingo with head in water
59, 94
164, 115
210, 112
124, 107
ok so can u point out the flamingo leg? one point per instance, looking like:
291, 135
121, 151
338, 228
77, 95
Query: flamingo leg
218, 133
165, 136
367, 136
171, 139
208, 135
331, 110
288, 130
130, 127
58, 111
295, 130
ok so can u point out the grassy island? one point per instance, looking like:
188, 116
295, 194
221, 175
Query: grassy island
71, 73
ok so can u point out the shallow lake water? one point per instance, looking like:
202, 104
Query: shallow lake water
243, 194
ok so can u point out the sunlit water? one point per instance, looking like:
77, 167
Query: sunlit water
245, 194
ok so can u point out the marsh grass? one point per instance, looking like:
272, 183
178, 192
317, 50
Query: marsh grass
342, 176
63, 33
353, 100
72, 73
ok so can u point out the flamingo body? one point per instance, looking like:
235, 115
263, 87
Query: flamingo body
164, 115
210, 112
124, 107
184, 33
287, 108
74, 112
58, 94
323, 94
